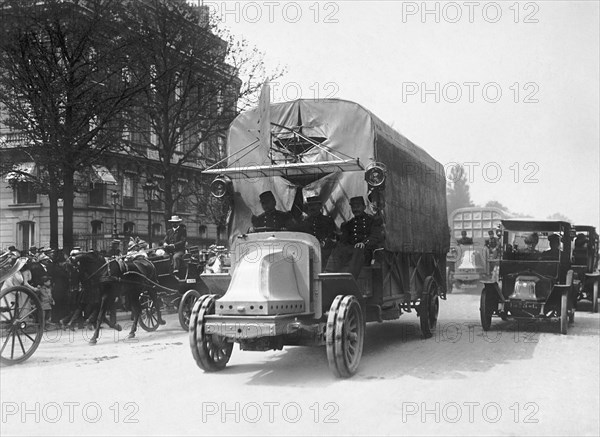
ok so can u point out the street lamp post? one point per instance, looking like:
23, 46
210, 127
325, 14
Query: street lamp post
115, 200
149, 193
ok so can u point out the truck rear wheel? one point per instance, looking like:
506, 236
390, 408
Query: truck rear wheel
429, 307
345, 336
211, 351
564, 323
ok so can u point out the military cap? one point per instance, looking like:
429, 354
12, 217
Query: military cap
266, 195
554, 237
358, 199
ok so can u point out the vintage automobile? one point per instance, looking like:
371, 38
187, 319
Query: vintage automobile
471, 266
535, 274
279, 294
585, 264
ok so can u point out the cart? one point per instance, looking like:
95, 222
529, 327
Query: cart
585, 264
21, 317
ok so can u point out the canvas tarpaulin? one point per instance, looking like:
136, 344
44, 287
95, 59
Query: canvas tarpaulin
415, 212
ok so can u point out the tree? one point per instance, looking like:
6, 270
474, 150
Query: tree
199, 72
496, 204
63, 88
558, 216
457, 189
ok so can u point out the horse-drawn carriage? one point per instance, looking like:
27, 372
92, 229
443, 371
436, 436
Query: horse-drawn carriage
279, 294
21, 315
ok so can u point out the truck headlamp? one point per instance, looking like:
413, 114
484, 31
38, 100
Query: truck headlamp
375, 175
221, 186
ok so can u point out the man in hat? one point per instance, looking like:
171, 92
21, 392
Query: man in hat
115, 251
174, 242
464, 239
360, 235
271, 218
552, 254
319, 225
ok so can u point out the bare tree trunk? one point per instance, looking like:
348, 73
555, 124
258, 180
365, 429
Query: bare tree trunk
53, 199
68, 198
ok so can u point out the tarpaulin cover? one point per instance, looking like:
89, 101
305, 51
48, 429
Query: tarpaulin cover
415, 195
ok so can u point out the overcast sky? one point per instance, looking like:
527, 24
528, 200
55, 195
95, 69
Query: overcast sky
510, 88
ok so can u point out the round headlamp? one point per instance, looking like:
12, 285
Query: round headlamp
375, 174
221, 186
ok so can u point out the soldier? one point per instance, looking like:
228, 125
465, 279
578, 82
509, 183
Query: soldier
360, 236
464, 239
271, 218
492, 244
321, 226
175, 241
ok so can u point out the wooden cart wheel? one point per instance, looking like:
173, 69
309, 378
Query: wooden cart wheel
429, 307
211, 351
149, 316
345, 336
564, 298
595, 296
185, 308
21, 324
486, 309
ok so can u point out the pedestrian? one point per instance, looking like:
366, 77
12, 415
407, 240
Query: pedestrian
45, 292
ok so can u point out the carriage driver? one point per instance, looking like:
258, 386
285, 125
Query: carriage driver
175, 242
360, 236
271, 218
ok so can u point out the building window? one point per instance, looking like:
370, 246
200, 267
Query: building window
97, 194
202, 231
156, 229
26, 234
25, 193
96, 227
128, 191
128, 228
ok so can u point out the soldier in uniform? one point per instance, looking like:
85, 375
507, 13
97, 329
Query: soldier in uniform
319, 225
492, 244
271, 218
360, 236
175, 241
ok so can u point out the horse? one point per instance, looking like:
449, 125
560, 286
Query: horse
113, 277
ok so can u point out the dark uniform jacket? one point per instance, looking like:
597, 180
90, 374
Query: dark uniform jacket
177, 237
322, 227
274, 220
465, 240
363, 229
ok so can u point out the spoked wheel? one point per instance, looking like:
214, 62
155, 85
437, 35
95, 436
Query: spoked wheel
429, 307
211, 351
564, 299
21, 324
149, 315
487, 305
185, 308
345, 336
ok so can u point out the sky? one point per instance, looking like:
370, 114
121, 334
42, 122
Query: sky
508, 89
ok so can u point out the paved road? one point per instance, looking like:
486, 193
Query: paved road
510, 381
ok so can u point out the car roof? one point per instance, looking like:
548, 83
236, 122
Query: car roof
536, 225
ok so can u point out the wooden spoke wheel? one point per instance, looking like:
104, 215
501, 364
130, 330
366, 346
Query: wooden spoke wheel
429, 307
149, 315
487, 306
185, 308
211, 351
345, 335
564, 300
21, 324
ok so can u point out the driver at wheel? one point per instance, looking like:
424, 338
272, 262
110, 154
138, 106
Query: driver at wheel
271, 218
174, 242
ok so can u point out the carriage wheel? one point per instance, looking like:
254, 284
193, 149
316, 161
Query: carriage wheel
149, 315
595, 296
21, 324
564, 299
487, 305
211, 351
345, 336
429, 307
185, 307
